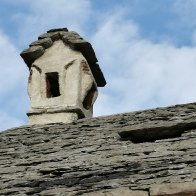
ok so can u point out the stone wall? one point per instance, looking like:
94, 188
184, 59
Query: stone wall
141, 153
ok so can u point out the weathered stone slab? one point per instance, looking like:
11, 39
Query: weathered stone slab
99, 77
45, 42
151, 131
71, 35
59, 192
57, 29
118, 192
31, 54
53, 35
174, 189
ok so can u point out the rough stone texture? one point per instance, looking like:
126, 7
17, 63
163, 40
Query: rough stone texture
175, 189
53, 35
58, 29
45, 42
147, 131
31, 54
57, 116
89, 156
118, 192
74, 41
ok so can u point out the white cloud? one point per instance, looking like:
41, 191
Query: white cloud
141, 74
46, 14
10, 65
12, 84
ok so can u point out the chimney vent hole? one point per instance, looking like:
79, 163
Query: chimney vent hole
52, 85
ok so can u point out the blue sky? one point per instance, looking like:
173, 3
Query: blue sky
146, 49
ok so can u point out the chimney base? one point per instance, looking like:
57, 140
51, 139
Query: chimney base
45, 116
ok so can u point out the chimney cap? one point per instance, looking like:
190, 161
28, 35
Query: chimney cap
75, 42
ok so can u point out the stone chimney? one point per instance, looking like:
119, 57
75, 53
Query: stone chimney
64, 76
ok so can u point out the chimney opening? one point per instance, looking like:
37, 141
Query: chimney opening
88, 100
52, 85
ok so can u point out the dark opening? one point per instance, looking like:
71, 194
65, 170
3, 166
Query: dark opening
150, 137
88, 100
52, 85
151, 134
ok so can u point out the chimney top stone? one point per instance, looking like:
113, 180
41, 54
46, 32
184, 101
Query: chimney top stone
73, 40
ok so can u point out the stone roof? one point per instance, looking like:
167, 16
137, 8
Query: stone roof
70, 38
139, 153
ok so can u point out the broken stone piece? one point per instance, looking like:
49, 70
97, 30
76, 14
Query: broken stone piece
175, 189
150, 131
117, 192
99, 77
45, 42
70, 36
31, 54
53, 35
86, 49
57, 29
